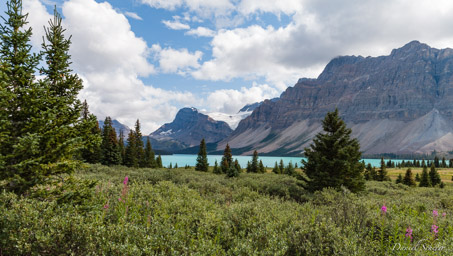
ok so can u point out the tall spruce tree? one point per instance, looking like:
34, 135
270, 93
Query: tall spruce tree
424, 179
261, 168
382, 173
139, 147
89, 131
289, 170
121, 147
159, 162
130, 158
150, 158
110, 149
216, 169
434, 176
254, 167
276, 169
202, 159
333, 160
281, 166
227, 159
409, 178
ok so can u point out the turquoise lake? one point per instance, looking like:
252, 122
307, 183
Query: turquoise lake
268, 161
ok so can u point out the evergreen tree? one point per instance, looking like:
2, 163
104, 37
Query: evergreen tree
434, 176
276, 169
417, 178
88, 129
150, 158
382, 173
176, 166
159, 162
374, 174
139, 147
450, 163
249, 167
202, 159
170, 166
216, 169
254, 165
436, 162
333, 160
368, 172
424, 179
227, 159
261, 168
130, 157
281, 166
399, 179
237, 166
121, 147
444, 163
110, 149
409, 179
289, 170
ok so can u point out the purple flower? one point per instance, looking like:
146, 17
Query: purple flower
384, 209
106, 206
434, 229
444, 214
126, 179
435, 213
119, 199
409, 233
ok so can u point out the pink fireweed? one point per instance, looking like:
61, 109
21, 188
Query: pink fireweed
384, 209
444, 214
124, 191
434, 229
409, 233
126, 179
106, 206
435, 213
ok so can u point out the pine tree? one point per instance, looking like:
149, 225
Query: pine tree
261, 167
434, 176
159, 162
249, 167
374, 174
121, 147
281, 166
417, 177
409, 179
333, 160
202, 159
289, 170
436, 162
276, 169
216, 169
110, 149
444, 163
176, 166
139, 148
130, 158
237, 166
424, 179
254, 164
149, 158
227, 159
88, 129
368, 172
382, 173
399, 179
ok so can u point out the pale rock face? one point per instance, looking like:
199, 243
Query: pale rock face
401, 103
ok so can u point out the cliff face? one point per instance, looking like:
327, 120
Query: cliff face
189, 127
401, 103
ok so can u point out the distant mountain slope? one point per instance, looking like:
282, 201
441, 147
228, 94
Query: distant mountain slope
401, 103
189, 127
117, 126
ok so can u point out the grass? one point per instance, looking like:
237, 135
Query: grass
184, 212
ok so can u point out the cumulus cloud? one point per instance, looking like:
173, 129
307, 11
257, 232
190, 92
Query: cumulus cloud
231, 101
177, 61
201, 32
133, 15
203, 8
175, 25
110, 58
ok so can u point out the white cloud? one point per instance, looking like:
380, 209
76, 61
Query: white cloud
39, 16
231, 101
203, 8
177, 61
201, 32
247, 7
175, 25
133, 15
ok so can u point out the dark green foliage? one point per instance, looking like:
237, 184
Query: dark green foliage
149, 157
417, 178
450, 163
130, 158
409, 179
436, 162
216, 169
159, 161
424, 179
139, 148
176, 166
227, 159
281, 166
261, 168
289, 170
237, 166
333, 160
434, 176
39, 118
276, 169
90, 133
442, 185
232, 172
110, 149
121, 147
202, 159
170, 166
382, 172
368, 175
249, 167
399, 179
254, 167
444, 163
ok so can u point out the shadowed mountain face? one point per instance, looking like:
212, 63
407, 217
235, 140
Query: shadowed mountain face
401, 103
189, 127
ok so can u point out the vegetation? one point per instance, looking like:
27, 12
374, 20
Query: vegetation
202, 159
333, 160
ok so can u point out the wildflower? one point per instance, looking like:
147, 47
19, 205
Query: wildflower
106, 206
444, 214
434, 229
409, 233
119, 199
126, 179
384, 209
435, 213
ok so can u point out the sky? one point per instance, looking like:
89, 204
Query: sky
146, 59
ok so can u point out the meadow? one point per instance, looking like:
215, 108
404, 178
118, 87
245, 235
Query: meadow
125, 211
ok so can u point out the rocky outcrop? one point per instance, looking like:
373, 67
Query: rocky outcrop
400, 103
189, 127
